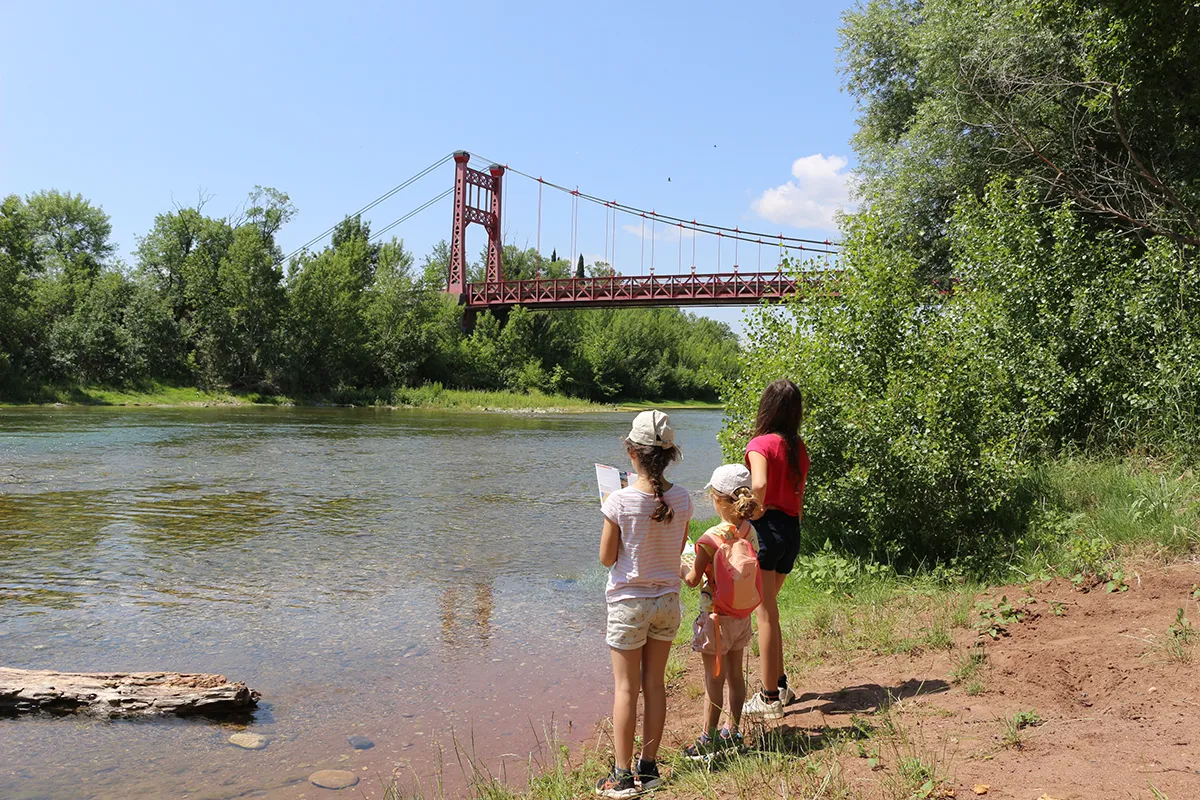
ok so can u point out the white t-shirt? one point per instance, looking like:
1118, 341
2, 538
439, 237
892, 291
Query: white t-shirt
648, 557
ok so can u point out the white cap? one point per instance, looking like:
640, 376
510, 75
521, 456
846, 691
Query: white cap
728, 478
652, 429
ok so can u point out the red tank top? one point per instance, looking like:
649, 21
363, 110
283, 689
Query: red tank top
782, 490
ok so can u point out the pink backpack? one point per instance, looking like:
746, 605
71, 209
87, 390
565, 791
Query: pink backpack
737, 582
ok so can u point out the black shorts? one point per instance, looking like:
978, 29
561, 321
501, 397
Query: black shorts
778, 541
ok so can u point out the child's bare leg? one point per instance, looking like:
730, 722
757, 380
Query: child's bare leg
654, 696
627, 680
714, 692
731, 665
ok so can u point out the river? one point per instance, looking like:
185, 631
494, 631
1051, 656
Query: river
427, 580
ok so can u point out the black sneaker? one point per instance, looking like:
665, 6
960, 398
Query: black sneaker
617, 785
705, 748
647, 775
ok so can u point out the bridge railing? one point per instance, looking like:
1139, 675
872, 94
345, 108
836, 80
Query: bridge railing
686, 289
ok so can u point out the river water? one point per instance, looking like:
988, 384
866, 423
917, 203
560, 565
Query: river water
427, 580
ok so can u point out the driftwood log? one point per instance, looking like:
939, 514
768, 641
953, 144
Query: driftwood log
122, 694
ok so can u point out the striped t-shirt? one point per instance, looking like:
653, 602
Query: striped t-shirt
648, 557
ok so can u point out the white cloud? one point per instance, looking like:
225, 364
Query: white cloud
821, 187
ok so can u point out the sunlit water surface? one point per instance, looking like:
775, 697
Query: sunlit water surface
424, 579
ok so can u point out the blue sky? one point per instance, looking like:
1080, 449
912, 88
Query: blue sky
138, 105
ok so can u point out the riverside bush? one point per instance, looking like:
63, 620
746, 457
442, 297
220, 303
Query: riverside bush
923, 445
931, 412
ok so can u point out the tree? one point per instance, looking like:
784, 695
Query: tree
70, 235
554, 255
413, 325
1096, 100
579, 267
18, 263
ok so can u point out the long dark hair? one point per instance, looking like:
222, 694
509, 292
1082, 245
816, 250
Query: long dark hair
780, 411
652, 461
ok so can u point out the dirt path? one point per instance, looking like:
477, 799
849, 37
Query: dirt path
1111, 710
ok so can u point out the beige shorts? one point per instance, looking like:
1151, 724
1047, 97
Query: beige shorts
632, 621
735, 634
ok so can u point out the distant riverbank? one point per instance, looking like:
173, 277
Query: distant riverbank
431, 396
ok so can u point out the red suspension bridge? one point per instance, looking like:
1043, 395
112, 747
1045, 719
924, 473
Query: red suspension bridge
478, 199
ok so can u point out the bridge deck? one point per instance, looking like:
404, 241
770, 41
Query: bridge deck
727, 289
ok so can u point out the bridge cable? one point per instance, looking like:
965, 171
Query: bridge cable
653, 228
398, 187
668, 218
605, 233
411, 214
642, 268
613, 265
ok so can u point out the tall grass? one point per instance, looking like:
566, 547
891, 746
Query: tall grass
431, 396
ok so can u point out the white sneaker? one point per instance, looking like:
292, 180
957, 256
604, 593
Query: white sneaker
786, 696
760, 706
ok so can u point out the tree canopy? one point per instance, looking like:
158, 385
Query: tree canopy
208, 301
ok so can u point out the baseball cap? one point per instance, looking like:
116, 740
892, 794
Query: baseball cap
652, 429
727, 478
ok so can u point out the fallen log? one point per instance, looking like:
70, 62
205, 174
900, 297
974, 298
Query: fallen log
122, 694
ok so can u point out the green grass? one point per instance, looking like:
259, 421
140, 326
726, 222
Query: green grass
150, 395
432, 396
1097, 512
668, 405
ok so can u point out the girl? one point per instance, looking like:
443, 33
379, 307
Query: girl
778, 462
645, 528
733, 591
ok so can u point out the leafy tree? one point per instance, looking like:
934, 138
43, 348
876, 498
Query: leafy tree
414, 327
18, 264
579, 267
207, 303
70, 235
1096, 100
326, 326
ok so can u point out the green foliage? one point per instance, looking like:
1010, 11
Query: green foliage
917, 422
969, 665
208, 304
994, 616
1018, 722
1094, 101
833, 573
1181, 639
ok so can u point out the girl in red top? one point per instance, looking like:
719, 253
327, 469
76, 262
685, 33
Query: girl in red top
778, 462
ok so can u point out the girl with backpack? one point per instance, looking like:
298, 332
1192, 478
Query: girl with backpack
645, 529
727, 558
778, 462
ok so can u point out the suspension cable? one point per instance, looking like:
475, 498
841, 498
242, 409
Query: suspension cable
702, 226
411, 214
398, 187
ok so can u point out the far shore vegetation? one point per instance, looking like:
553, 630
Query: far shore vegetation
429, 396
214, 303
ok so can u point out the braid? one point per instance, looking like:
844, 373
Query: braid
742, 501
653, 462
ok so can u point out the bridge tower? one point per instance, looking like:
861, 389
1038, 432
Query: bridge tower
476, 199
